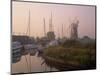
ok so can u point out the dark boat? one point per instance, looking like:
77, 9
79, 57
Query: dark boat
16, 51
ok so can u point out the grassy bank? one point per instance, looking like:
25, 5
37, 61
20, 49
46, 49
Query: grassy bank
73, 52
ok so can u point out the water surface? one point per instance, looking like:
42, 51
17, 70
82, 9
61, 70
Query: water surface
37, 65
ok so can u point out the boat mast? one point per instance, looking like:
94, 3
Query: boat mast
29, 23
62, 30
50, 24
28, 34
29, 38
58, 33
44, 27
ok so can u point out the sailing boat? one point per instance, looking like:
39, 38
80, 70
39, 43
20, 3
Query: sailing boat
29, 47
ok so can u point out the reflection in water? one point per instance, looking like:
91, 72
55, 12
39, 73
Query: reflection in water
37, 64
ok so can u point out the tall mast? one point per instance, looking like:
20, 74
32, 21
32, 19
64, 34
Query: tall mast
28, 34
29, 23
44, 27
62, 30
29, 37
58, 33
50, 23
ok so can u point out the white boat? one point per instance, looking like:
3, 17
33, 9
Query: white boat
16, 51
52, 43
30, 46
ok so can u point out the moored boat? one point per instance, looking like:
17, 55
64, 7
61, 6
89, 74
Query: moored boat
16, 51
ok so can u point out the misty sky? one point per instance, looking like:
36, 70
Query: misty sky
62, 14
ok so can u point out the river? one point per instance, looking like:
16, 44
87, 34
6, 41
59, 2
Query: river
37, 65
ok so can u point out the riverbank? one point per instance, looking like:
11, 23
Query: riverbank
76, 56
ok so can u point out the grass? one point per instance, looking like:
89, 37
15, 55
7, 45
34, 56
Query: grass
74, 52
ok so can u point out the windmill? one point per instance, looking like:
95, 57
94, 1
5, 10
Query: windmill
74, 29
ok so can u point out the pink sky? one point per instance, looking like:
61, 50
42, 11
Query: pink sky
62, 14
